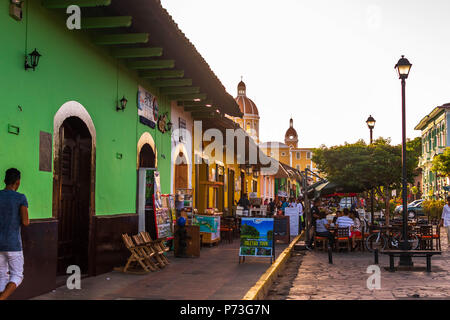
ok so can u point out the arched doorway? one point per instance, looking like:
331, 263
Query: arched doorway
147, 158
72, 192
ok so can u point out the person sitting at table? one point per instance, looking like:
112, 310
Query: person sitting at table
345, 221
356, 232
322, 228
244, 202
338, 214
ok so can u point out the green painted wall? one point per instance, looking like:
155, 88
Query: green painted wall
71, 68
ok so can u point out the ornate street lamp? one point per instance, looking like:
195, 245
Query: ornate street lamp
371, 124
403, 67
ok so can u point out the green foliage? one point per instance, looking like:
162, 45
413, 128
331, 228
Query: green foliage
433, 208
414, 190
249, 231
270, 235
364, 167
441, 163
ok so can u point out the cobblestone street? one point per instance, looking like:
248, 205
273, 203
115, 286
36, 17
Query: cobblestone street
346, 278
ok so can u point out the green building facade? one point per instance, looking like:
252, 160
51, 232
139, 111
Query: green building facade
59, 123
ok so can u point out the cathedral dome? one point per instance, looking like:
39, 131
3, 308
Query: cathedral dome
291, 136
247, 106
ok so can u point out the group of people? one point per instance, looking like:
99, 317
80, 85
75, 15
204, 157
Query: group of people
343, 219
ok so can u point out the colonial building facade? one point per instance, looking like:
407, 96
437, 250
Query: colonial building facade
435, 138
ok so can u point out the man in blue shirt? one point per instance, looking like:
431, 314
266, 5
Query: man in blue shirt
13, 214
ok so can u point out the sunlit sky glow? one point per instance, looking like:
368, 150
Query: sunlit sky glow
327, 63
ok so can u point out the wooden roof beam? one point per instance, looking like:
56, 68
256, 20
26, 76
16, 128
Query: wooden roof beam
63, 4
106, 22
193, 97
157, 74
128, 53
171, 83
179, 90
123, 38
151, 64
196, 103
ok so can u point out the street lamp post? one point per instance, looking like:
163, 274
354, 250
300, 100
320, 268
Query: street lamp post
403, 67
371, 124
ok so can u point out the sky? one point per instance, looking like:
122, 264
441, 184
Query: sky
329, 64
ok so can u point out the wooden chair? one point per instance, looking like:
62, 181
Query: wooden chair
426, 237
158, 246
148, 252
360, 240
343, 236
437, 236
136, 258
226, 230
322, 240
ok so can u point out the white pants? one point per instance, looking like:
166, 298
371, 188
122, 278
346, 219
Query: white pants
11, 268
448, 234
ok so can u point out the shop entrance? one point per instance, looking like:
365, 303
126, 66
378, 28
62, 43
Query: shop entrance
231, 182
73, 193
243, 189
145, 186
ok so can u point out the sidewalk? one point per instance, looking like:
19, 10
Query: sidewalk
216, 275
346, 278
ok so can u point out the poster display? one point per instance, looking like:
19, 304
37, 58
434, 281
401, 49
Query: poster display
147, 108
163, 212
256, 237
208, 224
293, 215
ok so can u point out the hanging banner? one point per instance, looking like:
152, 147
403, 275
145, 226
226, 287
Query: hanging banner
293, 215
282, 193
147, 108
256, 237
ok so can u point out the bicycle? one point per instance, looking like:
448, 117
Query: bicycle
379, 240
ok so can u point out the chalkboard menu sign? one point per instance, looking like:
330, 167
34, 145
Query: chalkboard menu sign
281, 229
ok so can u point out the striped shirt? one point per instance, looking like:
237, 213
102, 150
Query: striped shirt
345, 221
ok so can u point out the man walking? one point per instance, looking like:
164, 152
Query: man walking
13, 214
445, 219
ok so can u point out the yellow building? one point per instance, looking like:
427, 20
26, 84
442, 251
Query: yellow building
288, 152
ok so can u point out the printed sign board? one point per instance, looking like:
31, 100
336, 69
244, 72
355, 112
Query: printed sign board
147, 108
281, 228
293, 218
256, 237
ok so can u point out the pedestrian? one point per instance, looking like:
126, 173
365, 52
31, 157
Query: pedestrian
244, 202
445, 219
13, 214
272, 206
300, 214
315, 211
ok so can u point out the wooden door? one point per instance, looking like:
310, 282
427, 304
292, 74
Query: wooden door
181, 176
74, 196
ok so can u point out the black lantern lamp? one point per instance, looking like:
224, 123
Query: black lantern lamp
32, 60
122, 105
371, 122
403, 67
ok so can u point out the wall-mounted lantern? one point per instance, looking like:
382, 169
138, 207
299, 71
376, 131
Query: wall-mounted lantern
122, 104
32, 60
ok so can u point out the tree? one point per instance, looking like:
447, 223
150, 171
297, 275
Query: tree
441, 163
363, 167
